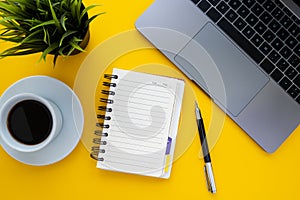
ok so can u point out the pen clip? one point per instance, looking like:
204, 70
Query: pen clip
210, 183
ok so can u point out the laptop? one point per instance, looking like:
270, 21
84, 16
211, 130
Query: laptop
245, 54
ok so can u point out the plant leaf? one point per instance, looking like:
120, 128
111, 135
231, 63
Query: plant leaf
12, 24
76, 46
62, 49
86, 10
25, 3
32, 37
46, 36
70, 51
63, 20
11, 33
78, 10
38, 5
91, 19
66, 34
50, 22
12, 39
12, 9
55, 59
57, 24
48, 50
19, 53
22, 49
73, 9
9, 18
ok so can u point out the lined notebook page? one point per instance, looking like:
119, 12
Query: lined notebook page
141, 119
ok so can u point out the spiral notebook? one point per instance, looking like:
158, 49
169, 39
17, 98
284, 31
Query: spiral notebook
140, 114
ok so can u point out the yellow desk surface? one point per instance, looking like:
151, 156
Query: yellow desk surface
242, 169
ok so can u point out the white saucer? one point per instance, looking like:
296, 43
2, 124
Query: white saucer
72, 115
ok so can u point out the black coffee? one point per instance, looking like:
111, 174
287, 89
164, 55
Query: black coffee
29, 122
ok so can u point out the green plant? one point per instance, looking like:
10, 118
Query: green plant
54, 27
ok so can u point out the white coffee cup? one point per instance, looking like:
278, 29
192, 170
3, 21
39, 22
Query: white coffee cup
6, 134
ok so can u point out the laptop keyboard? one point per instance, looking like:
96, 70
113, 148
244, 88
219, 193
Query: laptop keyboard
267, 31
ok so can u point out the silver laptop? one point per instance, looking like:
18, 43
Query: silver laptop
245, 54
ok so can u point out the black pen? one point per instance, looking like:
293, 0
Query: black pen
211, 185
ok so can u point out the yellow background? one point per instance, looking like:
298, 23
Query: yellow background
242, 169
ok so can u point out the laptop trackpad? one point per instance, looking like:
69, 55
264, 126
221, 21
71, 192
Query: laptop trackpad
221, 69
